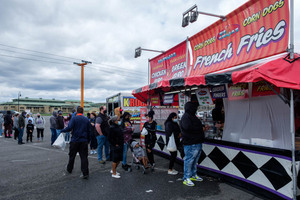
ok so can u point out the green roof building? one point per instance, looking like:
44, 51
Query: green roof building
39, 105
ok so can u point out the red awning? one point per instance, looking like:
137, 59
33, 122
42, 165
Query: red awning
281, 72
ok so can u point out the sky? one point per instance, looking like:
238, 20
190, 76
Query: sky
103, 32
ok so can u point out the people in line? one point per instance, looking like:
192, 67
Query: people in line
128, 129
116, 139
29, 130
40, 123
16, 126
21, 127
102, 128
59, 122
8, 124
1, 124
81, 135
172, 127
150, 138
66, 123
93, 143
193, 137
139, 153
53, 126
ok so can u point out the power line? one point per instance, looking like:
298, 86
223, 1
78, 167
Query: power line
123, 70
110, 72
35, 55
33, 59
38, 52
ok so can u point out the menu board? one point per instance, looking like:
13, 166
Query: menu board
238, 91
204, 97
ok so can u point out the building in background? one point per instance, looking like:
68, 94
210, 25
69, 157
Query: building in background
40, 105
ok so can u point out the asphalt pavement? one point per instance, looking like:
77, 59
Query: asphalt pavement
36, 171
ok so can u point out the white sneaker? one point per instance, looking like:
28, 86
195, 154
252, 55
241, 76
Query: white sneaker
95, 152
196, 178
116, 176
173, 172
92, 152
188, 182
117, 173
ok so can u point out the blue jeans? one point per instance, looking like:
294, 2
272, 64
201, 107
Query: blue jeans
53, 135
58, 131
20, 136
192, 155
102, 141
125, 149
67, 137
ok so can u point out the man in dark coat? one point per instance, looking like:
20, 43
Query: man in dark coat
193, 137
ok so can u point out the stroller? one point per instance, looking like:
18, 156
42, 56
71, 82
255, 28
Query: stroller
135, 161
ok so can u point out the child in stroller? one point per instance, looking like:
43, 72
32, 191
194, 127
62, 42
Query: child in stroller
138, 154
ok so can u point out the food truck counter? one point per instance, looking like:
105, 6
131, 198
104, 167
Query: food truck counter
257, 168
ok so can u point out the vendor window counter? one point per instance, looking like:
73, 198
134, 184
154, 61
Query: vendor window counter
263, 170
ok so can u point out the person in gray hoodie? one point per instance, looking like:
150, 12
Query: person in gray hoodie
40, 126
16, 126
1, 124
53, 127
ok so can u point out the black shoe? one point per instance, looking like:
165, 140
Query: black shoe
84, 176
66, 171
125, 167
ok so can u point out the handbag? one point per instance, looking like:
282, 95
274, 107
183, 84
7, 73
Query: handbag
60, 142
172, 145
144, 131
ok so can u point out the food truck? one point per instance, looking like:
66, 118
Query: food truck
244, 63
128, 103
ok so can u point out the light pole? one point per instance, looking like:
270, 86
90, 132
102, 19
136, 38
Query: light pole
82, 78
191, 15
138, 52
19, 94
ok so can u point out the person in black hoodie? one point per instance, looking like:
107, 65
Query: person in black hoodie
150, 138
116, 139
193, 137
172, 127
59, 122
29, 129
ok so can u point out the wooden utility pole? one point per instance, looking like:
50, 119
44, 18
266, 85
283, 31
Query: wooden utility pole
82, 79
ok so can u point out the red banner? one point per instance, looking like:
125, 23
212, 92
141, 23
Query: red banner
171, 64
262, 89
257, 29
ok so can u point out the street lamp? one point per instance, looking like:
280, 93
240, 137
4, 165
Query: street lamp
19, 94
138, 51
191, 15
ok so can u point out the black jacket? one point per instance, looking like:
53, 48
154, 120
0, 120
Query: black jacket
104, 125
115, 136
60, 122
150, 138
8, 120
172, 127
191, 126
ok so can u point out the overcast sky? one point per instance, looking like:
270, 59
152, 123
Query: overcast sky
104, 32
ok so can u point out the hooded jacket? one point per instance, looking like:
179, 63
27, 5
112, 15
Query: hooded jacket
1, 119
80, 127
191, 126
53, 120
22, 120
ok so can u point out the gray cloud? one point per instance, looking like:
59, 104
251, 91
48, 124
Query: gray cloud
105, 32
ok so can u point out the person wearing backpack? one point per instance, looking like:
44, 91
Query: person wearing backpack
8, 124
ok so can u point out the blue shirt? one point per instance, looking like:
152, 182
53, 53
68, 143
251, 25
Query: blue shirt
80, 127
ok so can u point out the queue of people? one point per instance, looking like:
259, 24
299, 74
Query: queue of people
114, 135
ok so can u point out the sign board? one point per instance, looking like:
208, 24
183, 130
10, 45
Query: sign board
257, 29
169, 65
219, 92
155, 100
262, 89
238, 91
204, 97
132, 102
168, 99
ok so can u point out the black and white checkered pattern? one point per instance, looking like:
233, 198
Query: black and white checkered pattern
268, 171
